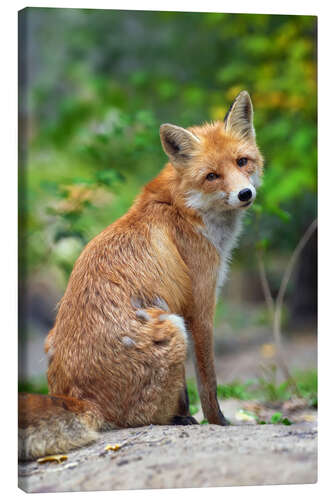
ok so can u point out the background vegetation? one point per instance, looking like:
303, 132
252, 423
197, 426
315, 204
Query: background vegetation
95, 86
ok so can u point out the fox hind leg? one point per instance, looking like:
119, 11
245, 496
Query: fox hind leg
183, 416
168, 334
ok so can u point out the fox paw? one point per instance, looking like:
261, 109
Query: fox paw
184, 420
159, 317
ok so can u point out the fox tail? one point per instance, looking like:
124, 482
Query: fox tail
50, 425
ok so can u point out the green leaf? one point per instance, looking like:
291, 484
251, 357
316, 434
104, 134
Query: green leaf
276, 418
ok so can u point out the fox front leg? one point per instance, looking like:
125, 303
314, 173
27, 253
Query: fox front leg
205, 371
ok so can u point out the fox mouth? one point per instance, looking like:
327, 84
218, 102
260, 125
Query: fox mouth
247, 204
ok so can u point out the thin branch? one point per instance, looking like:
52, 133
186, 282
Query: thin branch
272, 310
281, 293
275, 309
286, 276
265, 285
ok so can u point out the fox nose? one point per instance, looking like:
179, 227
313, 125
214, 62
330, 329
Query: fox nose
245, 194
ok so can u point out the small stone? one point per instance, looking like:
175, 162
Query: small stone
122, 462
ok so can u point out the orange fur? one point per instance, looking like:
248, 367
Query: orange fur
127, 361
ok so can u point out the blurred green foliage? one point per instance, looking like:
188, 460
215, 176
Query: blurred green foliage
37, 386
100, 82
265, 388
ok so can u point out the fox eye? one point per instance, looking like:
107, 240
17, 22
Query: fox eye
212, 176
241, 162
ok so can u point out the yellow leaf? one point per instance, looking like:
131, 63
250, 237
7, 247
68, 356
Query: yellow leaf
52, 458
113, 447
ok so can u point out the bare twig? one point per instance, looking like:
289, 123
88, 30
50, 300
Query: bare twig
275, 308
281, 293
286, 276
265, 285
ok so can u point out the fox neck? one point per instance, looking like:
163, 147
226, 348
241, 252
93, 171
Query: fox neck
221, 228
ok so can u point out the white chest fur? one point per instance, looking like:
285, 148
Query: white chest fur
222, 230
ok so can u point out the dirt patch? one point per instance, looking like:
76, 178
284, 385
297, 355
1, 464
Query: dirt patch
184, 457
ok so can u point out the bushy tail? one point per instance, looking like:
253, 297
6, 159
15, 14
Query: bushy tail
55, 424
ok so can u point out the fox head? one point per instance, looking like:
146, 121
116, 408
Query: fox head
219, 164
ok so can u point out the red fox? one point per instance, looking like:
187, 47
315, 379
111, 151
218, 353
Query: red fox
142, 288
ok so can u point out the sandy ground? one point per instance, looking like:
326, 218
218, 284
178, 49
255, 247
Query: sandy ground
187, 456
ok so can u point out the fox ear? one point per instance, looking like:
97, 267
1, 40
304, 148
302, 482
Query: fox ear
178, 143
239, 118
